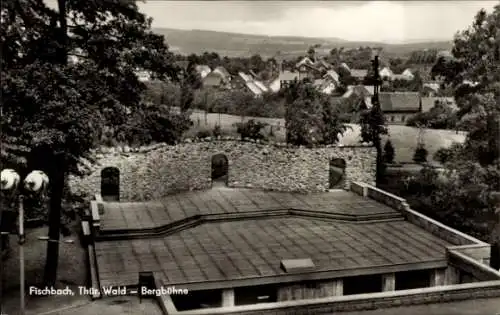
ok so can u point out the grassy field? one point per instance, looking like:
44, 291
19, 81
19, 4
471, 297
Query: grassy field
403, 138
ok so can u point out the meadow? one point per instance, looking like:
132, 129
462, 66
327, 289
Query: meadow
403, 138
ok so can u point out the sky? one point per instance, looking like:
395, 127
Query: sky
386, 21
381, 21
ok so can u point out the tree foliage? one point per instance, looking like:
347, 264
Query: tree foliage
251, 129
461, 198
389, 152
310, 116
67, 73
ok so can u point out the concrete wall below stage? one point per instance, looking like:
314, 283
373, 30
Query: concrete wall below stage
162, 170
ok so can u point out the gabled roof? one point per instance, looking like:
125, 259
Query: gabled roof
202, 68
304, 61
260, 85
331, 74
432, 85
245, 77
254, 88
359, 90
386, 71
344, 65
407, 72
399, 101
359, 73
222, 71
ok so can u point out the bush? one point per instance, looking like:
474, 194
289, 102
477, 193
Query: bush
251, 129
217, 131
389, 152
203, 134
420, 155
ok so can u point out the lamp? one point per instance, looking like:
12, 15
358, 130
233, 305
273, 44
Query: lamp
34, 184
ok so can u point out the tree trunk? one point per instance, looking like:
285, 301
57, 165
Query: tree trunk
57, 171
56, 176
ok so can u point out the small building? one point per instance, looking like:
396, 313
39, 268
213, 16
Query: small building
361, 91
359, 74
332, 76
430, 89
409, 74
226, 76
304, 61
386, 73
214, 80
203, 70
399, 106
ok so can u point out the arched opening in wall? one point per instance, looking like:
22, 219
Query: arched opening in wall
337, 173
110, 184
220, 167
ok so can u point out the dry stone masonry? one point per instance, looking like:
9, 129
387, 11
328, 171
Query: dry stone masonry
155, 171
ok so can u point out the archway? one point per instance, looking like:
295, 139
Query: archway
337, 173
110, 184
220, 167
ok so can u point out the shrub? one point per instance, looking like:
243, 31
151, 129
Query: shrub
420, 155
251, 129
203, 134
217, 131
389, 152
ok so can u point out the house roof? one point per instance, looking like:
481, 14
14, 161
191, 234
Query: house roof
260, 85
288, 76
332, 74
359, 90
254, 88
304, 61
399, 101
245, 77
344, 65
432, 85
401, 77
249, 250
386, 70
407, 72
359, 73
222, 71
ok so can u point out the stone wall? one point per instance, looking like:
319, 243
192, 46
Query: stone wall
153, 172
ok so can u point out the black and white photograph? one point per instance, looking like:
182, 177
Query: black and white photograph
249, 157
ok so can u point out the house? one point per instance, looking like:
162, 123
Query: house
203, 70
215, 80
304, 61
386, 73
430, 88
399, 106
345, 66
223, 72
307, 71
253, 85
322, 66
143, 75
332, 76
408, 73
324, 86
359, 74
430, 102
359, 91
